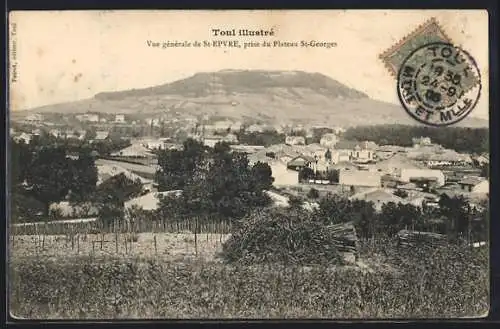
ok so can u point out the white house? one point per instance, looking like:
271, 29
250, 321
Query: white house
421, 141
153, 143
295, 140
356, 151
339, 130
120, 118
24, 137
153, 122
101, 135
134, 151
212, 140
56, 133
255, 128
475, 185
236, 126
230, 138
395, 164
88, 117
328, 140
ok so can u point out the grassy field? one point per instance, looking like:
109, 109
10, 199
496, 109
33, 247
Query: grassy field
387, 282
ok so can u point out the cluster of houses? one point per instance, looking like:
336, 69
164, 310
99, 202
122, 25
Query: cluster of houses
375, 172
372, 172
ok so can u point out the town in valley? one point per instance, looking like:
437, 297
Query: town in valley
246, 194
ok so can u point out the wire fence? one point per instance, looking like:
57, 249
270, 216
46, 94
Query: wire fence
94, 225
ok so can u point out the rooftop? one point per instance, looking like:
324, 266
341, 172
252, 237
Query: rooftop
151, 200
472, 180
378, 195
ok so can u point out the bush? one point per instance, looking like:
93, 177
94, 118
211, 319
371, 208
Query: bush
313, 193
282, 236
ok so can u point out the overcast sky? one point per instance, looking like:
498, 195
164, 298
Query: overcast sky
67, 56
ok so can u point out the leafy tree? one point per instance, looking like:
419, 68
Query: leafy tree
112, 194
50, 176
213, 182
90, 133
313, 193
172, 175
180, 168
118, 189
328, 155
457, 212
19, 160
24, 207
319, 132
395, 217
263, 176
305, 174
333, 176
84, 178
232, 186
265, 138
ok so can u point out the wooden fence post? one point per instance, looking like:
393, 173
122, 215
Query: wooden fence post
116, 237
156, 250
196, 237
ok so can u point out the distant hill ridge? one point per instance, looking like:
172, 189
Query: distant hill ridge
242, 81
241, 95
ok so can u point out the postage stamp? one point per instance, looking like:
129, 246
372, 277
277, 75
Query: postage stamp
426, 33
438, 83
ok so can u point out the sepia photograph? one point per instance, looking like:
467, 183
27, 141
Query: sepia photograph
258, 164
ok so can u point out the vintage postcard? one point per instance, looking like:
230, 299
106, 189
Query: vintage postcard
266, 164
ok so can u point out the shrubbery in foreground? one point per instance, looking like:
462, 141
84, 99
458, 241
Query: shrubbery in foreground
449, 282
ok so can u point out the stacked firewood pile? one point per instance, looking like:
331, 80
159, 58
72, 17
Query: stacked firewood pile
345, 237
274, 236
408, 238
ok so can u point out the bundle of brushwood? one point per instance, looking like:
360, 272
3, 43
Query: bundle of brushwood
407, 238
289, 236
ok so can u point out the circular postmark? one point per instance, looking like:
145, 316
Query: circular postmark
439, 84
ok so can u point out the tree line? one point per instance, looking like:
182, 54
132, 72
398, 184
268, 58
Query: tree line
43, 172
469, 140
454, 217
